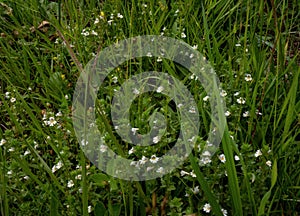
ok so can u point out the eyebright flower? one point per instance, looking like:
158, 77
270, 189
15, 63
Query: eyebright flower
237, 158
241, 100
70, 184
224, 212
156, 139
205, 160
154, 159
207, 208
134, 130
223, 93
57, 167
196, 190
103, 148
2, 142
269, 163
131, 151
160, 170
52, 121
227, 113
183, 173
246, 114
206, 98
160, 89
258, 153
248, 77
193, 174
143, 160
222, 158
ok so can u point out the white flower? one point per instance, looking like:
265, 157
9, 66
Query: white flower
110, 22
224, 211
238, 45
246, 114
236, 94
196, 190
51, 121
159, 59
193, 76
248, 77
96, 21
84, 142
12, 100
258, 113
103, 148
115, 79
58, 114
183, 35
156, 139
78, 177
85, 33
94, 33
193, 174
177, 11
222, 158
135, 91
195, 47
205, 160
57, 166
133, 163
207, 208
160, 170
206, 153
120, 16
206, 98
154, 159
131, 151
237, 158
143, 160
70, 184
2, 142
9, 172
89, 209
258, 153
241, 100
227, 113
26, 152
7, 95
183, 173
12, 149
223, 93
160, 89
192, 110
149, 168
134, 130
26, 177
179, 105
269, 163
149, 54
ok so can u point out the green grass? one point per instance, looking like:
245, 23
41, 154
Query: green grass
41, 62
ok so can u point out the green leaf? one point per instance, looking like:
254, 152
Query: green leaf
100, 179
100, 209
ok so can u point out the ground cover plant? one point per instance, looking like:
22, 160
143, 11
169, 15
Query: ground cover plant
253, 47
